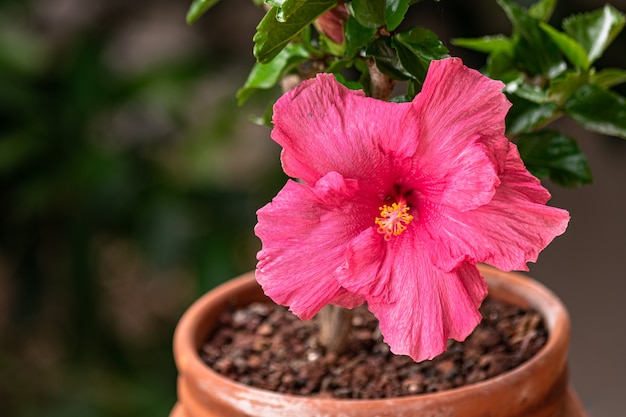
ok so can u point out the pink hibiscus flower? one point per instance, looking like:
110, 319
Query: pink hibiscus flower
397, 203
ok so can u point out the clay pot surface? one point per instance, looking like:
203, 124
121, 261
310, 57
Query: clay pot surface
537, 388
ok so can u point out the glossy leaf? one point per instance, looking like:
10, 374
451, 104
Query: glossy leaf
375, 14
394, 12
286, 8
501, 66
198, 8
542, 10
564, 86
533, 48
486, 44
272, 35
550, 154
357, 36
595, 30
416, 48
369, 13
386, 58
569, 46
424, 43
266, 76
527, 91
598, 110
609, 77
525, 115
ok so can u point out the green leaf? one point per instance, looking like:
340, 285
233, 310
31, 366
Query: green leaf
486, 44
357, 36
275, 3
375, 14
562, 87
394, 12
550, 154
369, 13
266, 76
524, 115
198, 8
272, 35
416, 48
533, 48
609, 77
424, 43
352, 85
285, 8
527, 91
569, 46
595, 30
542, 10
501, 66
598, 110
386, 58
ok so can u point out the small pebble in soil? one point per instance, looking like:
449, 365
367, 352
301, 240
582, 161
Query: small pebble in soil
266, 346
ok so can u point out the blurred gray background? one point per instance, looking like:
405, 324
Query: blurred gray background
129, 178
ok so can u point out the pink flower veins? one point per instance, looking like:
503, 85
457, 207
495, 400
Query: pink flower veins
397, 203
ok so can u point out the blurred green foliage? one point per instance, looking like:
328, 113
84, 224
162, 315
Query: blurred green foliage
123, 199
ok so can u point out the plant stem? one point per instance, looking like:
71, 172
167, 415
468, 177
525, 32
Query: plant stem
335, 324
381, 85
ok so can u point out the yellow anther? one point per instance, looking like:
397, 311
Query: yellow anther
393, 219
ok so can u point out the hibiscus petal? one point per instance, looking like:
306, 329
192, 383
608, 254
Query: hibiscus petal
428, 305
325, 127
507, 232
304, 232
461, 118
418, 305
364, 257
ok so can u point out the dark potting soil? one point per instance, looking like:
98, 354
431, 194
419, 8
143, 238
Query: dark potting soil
266, 346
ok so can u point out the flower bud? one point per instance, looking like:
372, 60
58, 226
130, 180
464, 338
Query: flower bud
331, 23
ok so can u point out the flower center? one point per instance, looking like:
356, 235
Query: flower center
393, 219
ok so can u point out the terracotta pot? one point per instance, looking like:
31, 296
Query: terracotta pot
537, 388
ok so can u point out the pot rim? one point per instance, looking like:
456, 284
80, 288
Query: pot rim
508, 286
